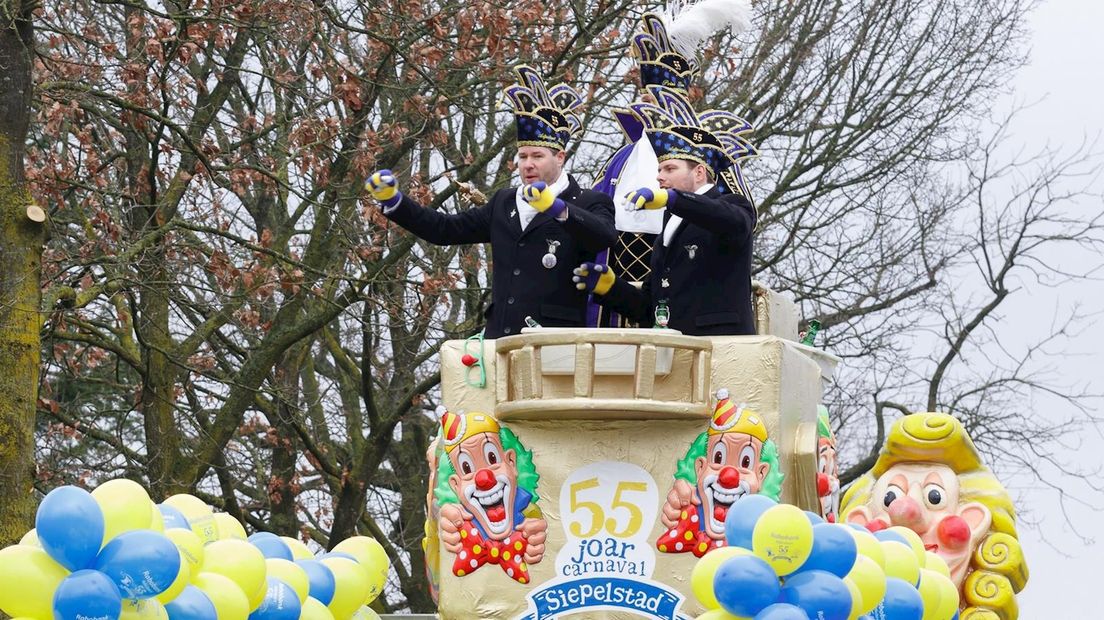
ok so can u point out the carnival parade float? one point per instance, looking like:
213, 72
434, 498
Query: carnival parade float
604, 472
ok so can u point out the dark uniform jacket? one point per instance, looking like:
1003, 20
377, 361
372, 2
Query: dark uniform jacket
521, 285
704, 276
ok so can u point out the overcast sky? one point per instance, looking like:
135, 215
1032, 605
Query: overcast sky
1067, 68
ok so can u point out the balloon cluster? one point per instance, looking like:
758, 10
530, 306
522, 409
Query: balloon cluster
782, 563
113, 554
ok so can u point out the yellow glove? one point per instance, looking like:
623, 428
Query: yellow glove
593, 278
383, 187
541, 198
645, 198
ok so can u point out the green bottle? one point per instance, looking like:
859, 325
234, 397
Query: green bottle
662, 315
810, 334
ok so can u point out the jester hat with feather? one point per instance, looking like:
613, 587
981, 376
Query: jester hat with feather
666, 44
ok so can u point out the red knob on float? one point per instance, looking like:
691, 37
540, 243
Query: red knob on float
469, 360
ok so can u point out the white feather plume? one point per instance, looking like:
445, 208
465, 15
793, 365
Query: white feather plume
690, 24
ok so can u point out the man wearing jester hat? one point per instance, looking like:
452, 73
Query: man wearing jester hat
665, 46
732, 459
700, 280
487, 491
539, 231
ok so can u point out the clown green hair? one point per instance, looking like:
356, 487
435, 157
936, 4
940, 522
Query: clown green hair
527, 473
824, 429
772, 484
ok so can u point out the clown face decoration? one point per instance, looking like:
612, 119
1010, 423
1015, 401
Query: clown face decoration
828, 485
731, 460
486, 483
487, 490
924, 497
929, 477
731, 469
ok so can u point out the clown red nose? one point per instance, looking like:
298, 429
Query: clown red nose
823, 486
485, 480
905, 511
729, 477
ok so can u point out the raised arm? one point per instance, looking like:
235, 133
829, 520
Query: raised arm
470, 226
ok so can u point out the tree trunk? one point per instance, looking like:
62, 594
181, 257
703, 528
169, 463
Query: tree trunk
282, 484
21, 239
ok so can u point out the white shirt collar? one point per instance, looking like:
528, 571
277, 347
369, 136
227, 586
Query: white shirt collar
673, 223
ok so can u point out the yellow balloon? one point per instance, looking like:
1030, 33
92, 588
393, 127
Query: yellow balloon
191, 548
313, 609
701, 578
299, 551
238, 560
126, 506
157, 520
856, 599
869, 546
372, 557
351, 586
198, 514
229, 600
783, 537
30, 539
144, 609
870, 579
229, 528
291, 574
367, 613
929, 593
258, 597
183, 577
900, 561
914, 541
933, 561
28, 578
948, 597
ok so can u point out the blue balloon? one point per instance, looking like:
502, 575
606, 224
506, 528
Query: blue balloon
834, 550
254, 537
322, 583
741, 518
70, 527
273, 548
142, 563
782, 611
87, 594
173, 518
280, 603
814, 518
886, 535
902, 601
191, 604
745, 584
819, 594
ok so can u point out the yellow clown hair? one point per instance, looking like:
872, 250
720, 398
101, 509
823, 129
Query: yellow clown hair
997, 567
